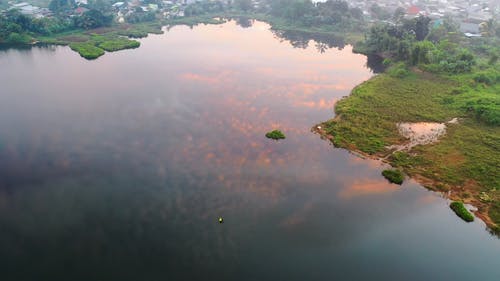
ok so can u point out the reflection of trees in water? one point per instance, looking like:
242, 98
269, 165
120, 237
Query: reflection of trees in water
301, 40
244, 22
323, 42
375, 63
28, 48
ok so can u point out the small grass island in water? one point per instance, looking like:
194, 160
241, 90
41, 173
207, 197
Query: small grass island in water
461, 211
275, 135
394, 176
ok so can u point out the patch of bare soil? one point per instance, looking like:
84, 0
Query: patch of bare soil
420, 133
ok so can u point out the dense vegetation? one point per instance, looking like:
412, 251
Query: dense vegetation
467, 156
461, 211
394, 176
118, 44
275, 135
16, 28
412, 41
306, 13
87, 50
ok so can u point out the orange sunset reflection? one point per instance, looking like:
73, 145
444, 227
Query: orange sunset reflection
367, 187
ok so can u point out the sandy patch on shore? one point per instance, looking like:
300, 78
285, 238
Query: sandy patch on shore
421, 133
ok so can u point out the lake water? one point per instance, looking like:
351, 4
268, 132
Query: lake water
118, 169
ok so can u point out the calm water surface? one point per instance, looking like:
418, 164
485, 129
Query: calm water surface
118, 168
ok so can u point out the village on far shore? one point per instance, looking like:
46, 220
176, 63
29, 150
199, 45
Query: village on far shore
470, 14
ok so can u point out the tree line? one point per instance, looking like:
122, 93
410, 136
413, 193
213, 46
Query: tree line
413, 42
16, 28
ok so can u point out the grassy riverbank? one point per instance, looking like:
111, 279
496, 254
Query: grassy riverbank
91, 44
464, 162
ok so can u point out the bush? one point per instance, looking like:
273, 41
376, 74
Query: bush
394, 176
87, 50
275, 135
487, 77
461, 211
118, 44
485, 110
386, 62
16, 38
398, 71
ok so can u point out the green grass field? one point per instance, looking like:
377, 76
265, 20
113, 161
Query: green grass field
466, 160
87, 50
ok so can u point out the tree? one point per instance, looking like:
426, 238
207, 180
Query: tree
422, 27
356, 13
379, 13
244, 5
487, 28
421, 52
59, 6
398, 14
92, 19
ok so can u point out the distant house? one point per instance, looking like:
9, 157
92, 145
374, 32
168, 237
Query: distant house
29, 10
470, 30
413, 10
468, 27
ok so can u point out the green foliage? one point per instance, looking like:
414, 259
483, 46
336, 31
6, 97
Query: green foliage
405, 160
461, 211
421, 27
406, 42
488, 77
367, 118
399, 70
92, 19
140, 16
244, 5
118, 43
59, 6
367, 121
18, 39
485, 110
87, 50
379, 13
16, 28
494, 213
305, 13
275, 135
386, 62
394, 176
203, 8
140, 30
421, 52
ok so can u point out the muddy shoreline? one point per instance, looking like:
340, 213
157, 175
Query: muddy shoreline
455, 193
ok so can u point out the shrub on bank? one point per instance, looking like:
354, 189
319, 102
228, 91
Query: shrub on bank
461, 211
394, 176
87, 50
117, 44
275, 135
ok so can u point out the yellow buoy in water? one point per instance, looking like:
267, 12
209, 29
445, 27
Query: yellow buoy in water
221, 220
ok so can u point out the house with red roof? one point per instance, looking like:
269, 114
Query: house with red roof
413, 10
